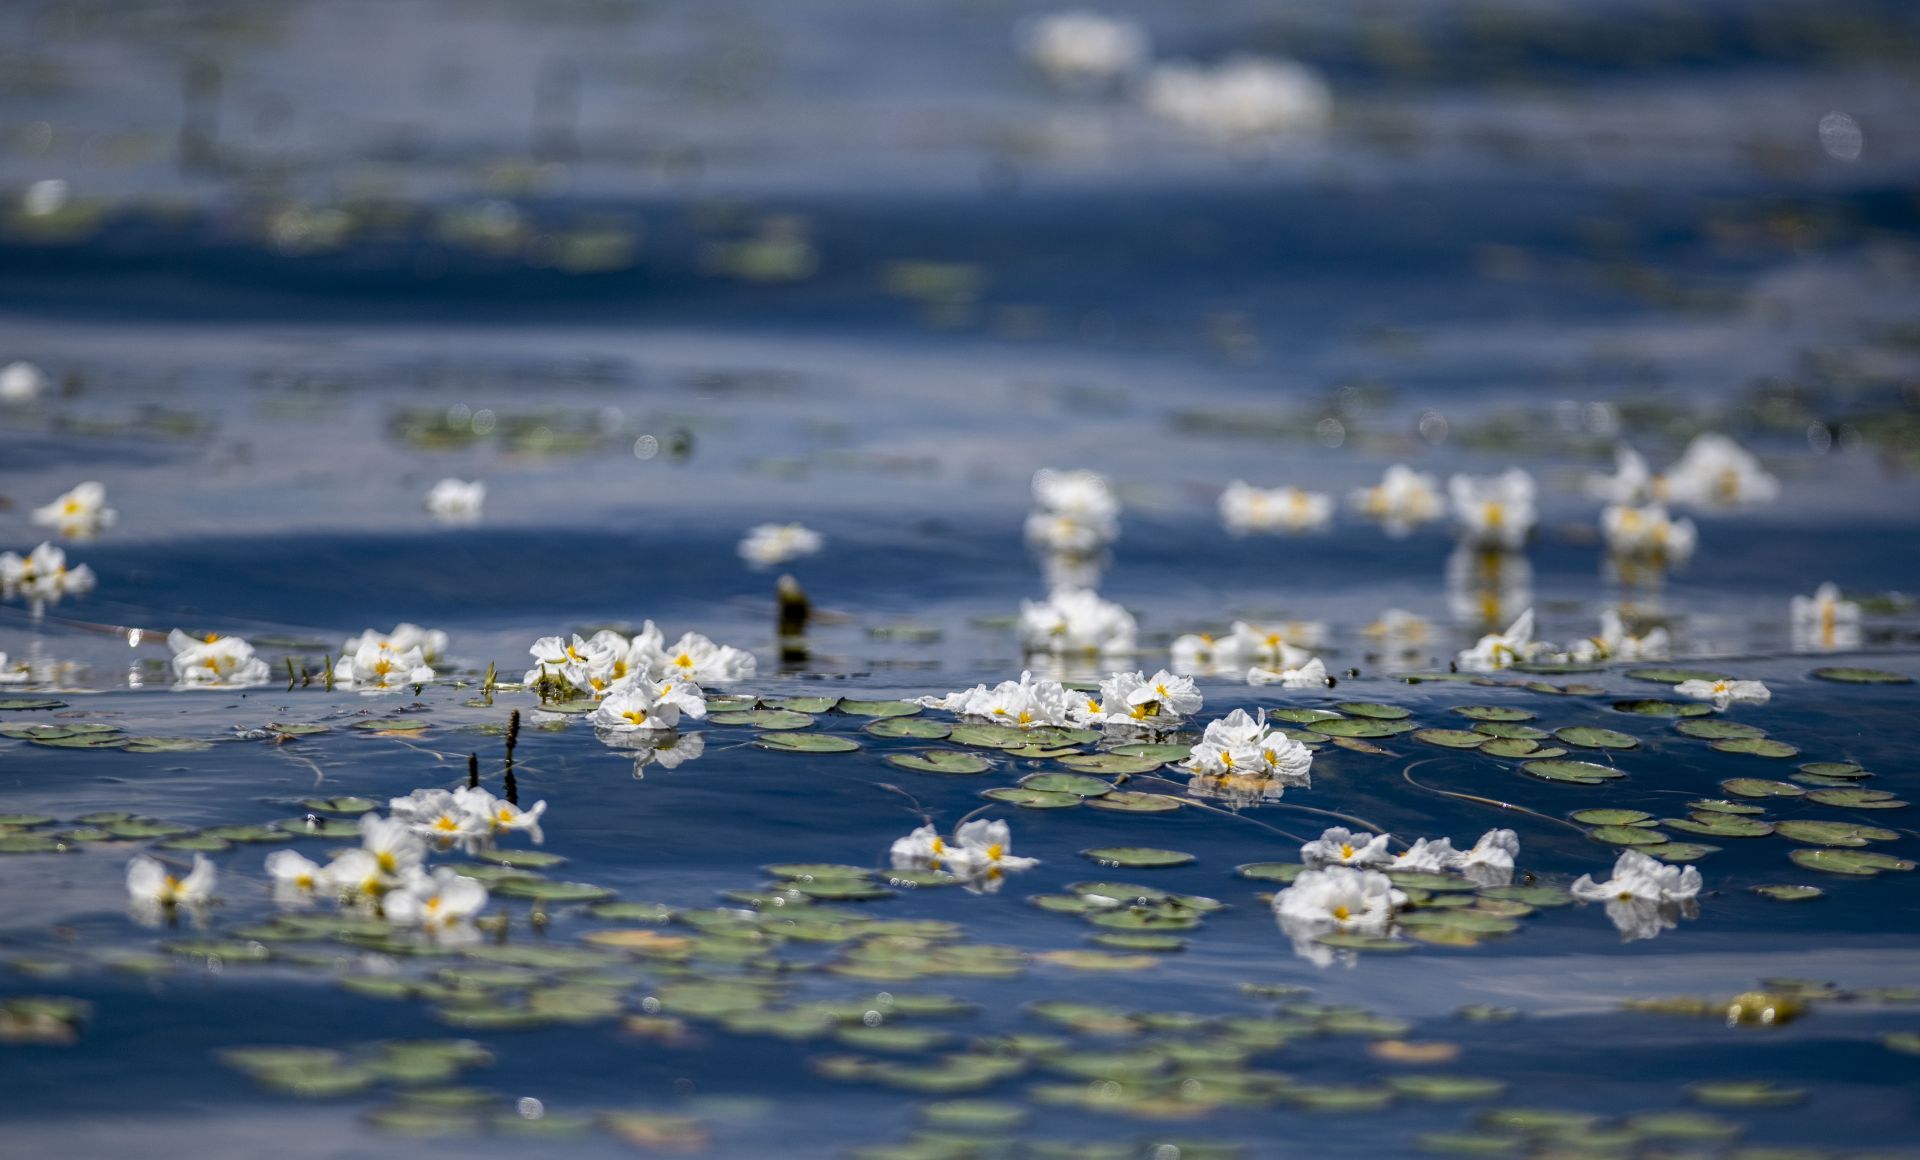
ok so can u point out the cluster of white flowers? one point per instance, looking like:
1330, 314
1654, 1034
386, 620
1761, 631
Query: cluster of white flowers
770, 544
1724, 692
1644, 896
79, 513
609, 661
1402, 500
1489, 862
979, 854
381, 662
1074, 512
1266, 654
42, 575
1134, 700
1615, 643
431, 642
1080, 47
1494, 512
1023, 704
1648, 533
1823, 622
640, 704
1246, 509
1240, 98
1713, 472
214, 662
1500, 650
21, 382
456, 502
1076, 622
1243, 745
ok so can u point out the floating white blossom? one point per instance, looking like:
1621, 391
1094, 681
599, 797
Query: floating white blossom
1240, 745
643, 704
1023, 704
1079, 46
1064, 535
769, 544
442, 904
1402, 500
214, 661
1084, 495
1339, 846
432, 643
21, 382
1426, 855
1648, 533
1714, 471
441, 818
392, 844
1644, 896
1335, 899
79, 513
980, 852
377, 668
1076, 621
1614, 643
1499, 650
42, 575
1632, 482
296, 878
1312, 675
1494, 511
18, 672
1245, 509
1280, 644
453, 501
152, 887
1725, 692
1245, 96
1490, 862
1824, 622
1159, 702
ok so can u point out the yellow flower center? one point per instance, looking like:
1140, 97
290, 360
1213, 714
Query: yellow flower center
1346, 850
387, 861
1341, 913
446, 823
636, 716
995, 851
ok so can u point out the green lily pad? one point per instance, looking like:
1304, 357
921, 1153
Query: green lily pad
1715, 825
1856, 799
853, 708
1756, 747
806, 743
1134, 802
1755, 787
949, 761
1841, 769
1627, 836
1450, 738
808, 871
1833, 833
1594, 737
21, 704
1858, 676
393, 725
201, 843
1136, 940
1503, 714
989, 736
1079, 785
1672, 676
1651, 708
1516, 747
33, 844
1301, 716
1158, 751
134, 828
1447, 1088
1110, 763
522, 859
347, 806
1745, 1094
800, 704
1373, 710
1141, 857
918, 728
24, 820
298, 728
543, 890
1609, 817
1723, 806
1353, 941
1355, 727
81, 741
762, 718
1860, 863
1032, 799
1271, 871
1508, 729
1717, 729
1537, 896
1788, 892
1575, 772
1681, 851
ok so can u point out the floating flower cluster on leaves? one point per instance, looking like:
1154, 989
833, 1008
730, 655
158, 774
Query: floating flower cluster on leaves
456, 502
155, 893
380, 665
1402, 500
431, 642
770, 544
21, 382
1499, 650
1243, 97
1488, 863
79, 513
1648, 534
1244, 746
979, 854
1159, 703
1311, 675
643, 705
1335, 899
1615, 643
1246, 509
1823, 622
607, 661
1076, 622
1724, 692
1645, 896
214, 662
1713, 472
1494, 511
1080, 47
42, 575
1277, 647
1027, 703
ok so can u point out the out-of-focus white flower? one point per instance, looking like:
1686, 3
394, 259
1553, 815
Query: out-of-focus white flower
691, 658
380, 669
1059, 534
1427, 855
1644, 896
19, 672
1071, 569
1724, 693
1824, 622
1243, 745
1026, 703
1245, 96
1399, 631
1339, 846
357, 875
46, 197
81, 512
1498, 650
1494, 511
500, 816
453, 501
1280, 644
42, 575
1084, 495
1339, 898
1245, 509
1079, 46
1159, 702
1648, 533
442, 818
432, 643
1402, 500
923, 849
1076, 621
393, 845
1714, 471
442, 904
1615, 644
21, 382
643, 704
1312, 675
769, 544
1199, 653
296, 878
214, 661
1487, 587
151, 885
1632, 481
1490, 861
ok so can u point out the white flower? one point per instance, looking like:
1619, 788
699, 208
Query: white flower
452, 501
1083, 495
647, 750
1244, 97
644, 704
769, 544
692, 658
1494, 511
1427, 855
983, 847
441, 904
1078, 46
1648, 533
42, 575
441, 817
1614, 644
1340, 898
1724, 693
1240, 745
1714, 471
1644, 896
46, 197
21, 382
1632, 482
1076, 621
1339, 846
378, 669
1402, 500
1498, 650
214, 661
1066, 535
1200, 653
296, 878
1245, 509
80, 512
150, 885
922, 849
1823, 622
1490, 862
356, 875
1283, 645
587, 666
16, 673
1312, 675
500, 816
392, 843
432, 643
1028, 702
1134, 699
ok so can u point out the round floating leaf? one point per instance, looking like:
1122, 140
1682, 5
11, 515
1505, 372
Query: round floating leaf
298, 729
1856, 799
1447, 1088
1856, 676
1497, 713
1112, 763
919, 728
843, 890
1134, 940
1515, 747
1536, 896
10, 704
1301, 716
1860, 863
800, 704
1609, 817
1271, 871
762, 718
1141, 857
1450, 738
1575, 772
853, 708
1130, 801
1716, 825
1649, 708
951, 761
1722, 806
25, 819
730, 702
166, 745
1627, 836
33, 844
1509, 730
1349, 941
1032, 799
1077, 784
81, 741
1422, 880
808, 871
1788, 892
988, 736
1833, 833
347, 806
1594, 737
248, 833
542, 890
1745, 1094
1842, 769
1670, 676
1681, 852
392, 725
1756, 747
524, 859
1374, 710
1717, 729
1754, 787
1158, 751
632, 911
1354, 727
201, 843
806, 743
146, 828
